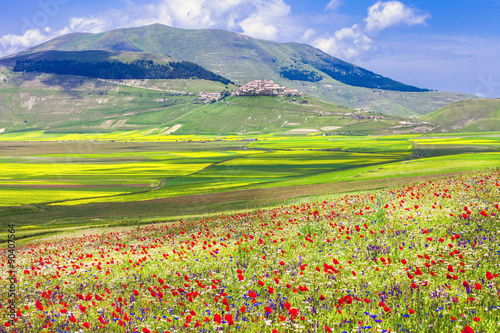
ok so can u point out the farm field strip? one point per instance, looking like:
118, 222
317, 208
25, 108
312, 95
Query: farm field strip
423, 256
245, 172
402, 169
130, 174
89, 175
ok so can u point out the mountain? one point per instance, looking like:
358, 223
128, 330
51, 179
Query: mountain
229, 51
241, 59
481, 115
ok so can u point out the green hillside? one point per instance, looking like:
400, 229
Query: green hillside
71, 104
110, 65
482, 115
242, 59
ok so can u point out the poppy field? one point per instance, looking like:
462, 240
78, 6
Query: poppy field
421, 257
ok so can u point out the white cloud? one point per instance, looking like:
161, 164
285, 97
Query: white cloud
346, 43
14, 43
333, 4
87, 24
268, 21
308, 35
349, 43
385, 14
190, 14
11, 42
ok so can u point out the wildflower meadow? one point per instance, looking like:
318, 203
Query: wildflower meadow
419, 258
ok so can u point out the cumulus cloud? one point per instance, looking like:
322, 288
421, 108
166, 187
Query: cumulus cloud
346, 43
14, 43
349, 43
268, 21
385, 14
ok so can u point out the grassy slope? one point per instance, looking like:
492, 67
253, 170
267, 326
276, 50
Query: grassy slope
76, 104
32, 101
241, 59
481, 115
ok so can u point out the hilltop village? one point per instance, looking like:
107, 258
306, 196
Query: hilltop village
253, 88
263, 87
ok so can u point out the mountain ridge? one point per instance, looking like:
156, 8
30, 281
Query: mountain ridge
304, 55
242, 59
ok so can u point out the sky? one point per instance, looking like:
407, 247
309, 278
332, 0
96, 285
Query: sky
435, 44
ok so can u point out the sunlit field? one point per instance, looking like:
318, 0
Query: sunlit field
421, 257
111, 167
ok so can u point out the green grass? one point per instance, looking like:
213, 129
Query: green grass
481, 115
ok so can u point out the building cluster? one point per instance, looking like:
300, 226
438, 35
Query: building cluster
263, 87
206, 97
360, 116
410, 124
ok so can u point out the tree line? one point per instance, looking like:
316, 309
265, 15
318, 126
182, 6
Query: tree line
357, 76
138, 69
300, 75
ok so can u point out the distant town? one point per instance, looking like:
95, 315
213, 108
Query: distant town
263, 87
254, 88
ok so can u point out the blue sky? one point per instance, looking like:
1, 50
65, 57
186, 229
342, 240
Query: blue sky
443, 45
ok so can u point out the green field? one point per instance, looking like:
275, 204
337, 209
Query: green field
251, 215
67, 179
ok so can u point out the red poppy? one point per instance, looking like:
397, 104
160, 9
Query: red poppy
229, 318
467, 329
